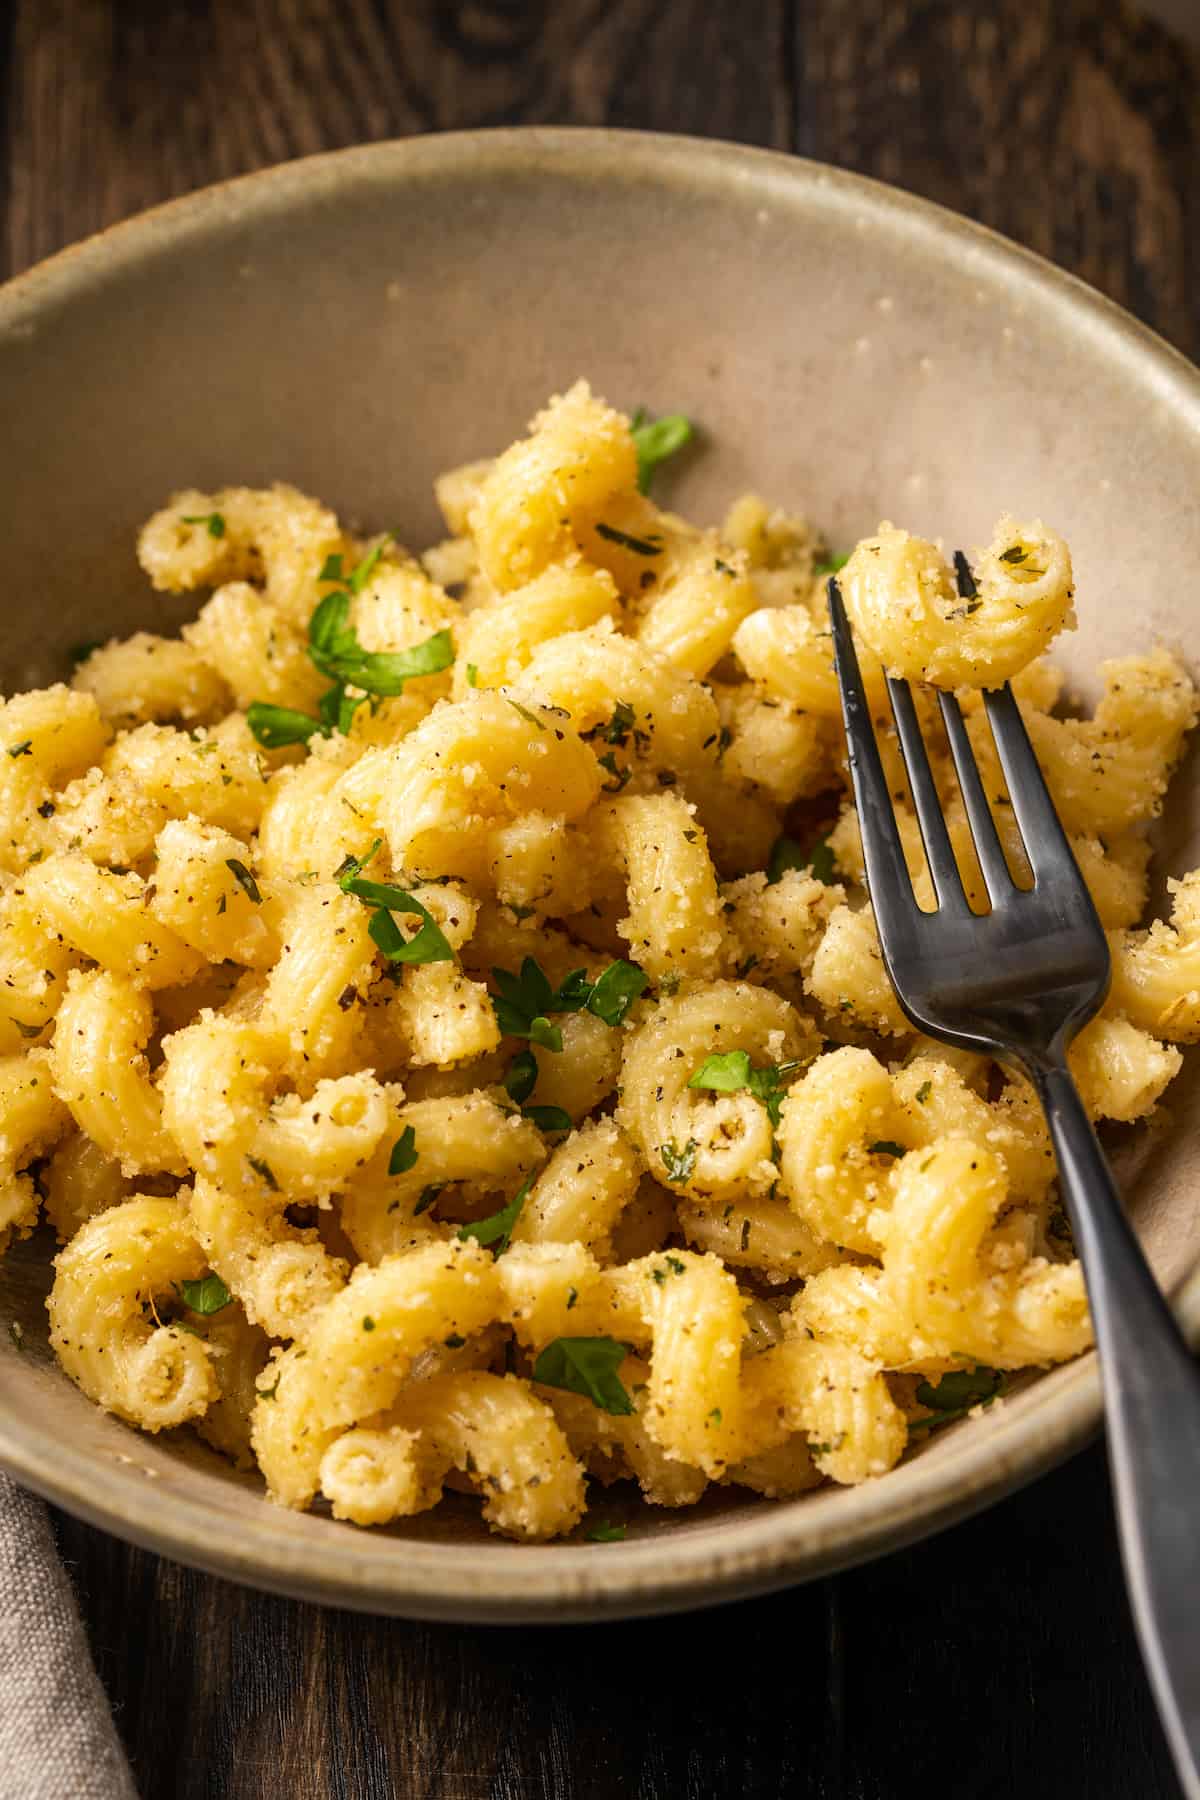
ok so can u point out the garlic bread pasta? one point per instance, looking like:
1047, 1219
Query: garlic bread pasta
442, 1019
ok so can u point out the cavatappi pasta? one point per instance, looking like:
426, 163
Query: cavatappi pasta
443, 1021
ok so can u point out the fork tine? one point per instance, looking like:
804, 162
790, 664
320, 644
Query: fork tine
1046, 843
997, 877
887, 872
939, 851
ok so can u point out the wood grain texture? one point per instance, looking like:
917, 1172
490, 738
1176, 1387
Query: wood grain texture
997, 1660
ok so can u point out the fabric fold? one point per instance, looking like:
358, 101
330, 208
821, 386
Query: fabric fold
57, 1737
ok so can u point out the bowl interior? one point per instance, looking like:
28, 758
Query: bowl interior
355, 324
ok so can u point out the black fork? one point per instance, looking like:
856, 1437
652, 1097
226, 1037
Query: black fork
1017, 983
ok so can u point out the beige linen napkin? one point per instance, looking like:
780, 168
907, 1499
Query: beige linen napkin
57, 1740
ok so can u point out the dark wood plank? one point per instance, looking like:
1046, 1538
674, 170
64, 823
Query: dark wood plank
1071, 126
997, 1659
115, 105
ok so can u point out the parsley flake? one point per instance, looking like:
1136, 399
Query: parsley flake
606, 1534
615, 991
428, 945
244, 879
522, 1077
213, 522
547, 1118
404, 1152
639, 546
955, 1394
679, 1163
23, 749
587, 1366
334, 649
206, 1296
731, 1070
497, 1230
264, 1171
655, 440
787, 854
530, 717
275, 727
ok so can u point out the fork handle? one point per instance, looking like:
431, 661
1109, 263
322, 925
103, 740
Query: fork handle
1152, 1405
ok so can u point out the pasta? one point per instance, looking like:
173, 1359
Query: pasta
446, 1031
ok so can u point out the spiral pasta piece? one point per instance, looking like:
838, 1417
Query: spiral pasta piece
711, 1145
153, 1375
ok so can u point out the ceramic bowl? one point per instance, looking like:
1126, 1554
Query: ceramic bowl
357, 322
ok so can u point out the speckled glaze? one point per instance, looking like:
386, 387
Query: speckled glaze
356, 322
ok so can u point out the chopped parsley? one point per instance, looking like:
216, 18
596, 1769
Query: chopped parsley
275, 727
25, 748
615, 991
655, 440
472, 675
361, 573
832, 565
679, 1163
587, 1366
732, 1070
606, 1534
497, 1230
787, 853
368, 1323
404, 1152
244, 879
428, 1196
264, 1171
955, 1395
530, 718
428, 945
621, 724
270, 1393
965, 579
213, 522
673, 1265
547, 1118
521, 1078
334, 648
525, 1001
206, 1296
620, 776
639, 546
923, 1092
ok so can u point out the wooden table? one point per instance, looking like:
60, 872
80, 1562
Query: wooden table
996, 1660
